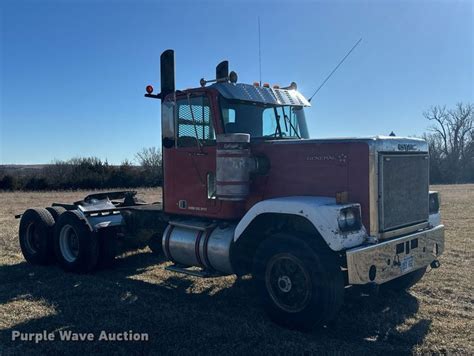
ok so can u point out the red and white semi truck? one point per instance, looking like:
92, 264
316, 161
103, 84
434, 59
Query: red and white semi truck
246, 191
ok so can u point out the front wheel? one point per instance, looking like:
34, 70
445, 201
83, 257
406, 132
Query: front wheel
300, 286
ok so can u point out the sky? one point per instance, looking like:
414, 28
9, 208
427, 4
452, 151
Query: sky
73, 73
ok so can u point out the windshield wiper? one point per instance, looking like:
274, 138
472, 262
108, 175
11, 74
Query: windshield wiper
289, 121
277, 118
284, 116
294, 129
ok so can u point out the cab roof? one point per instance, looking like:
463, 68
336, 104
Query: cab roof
264, 95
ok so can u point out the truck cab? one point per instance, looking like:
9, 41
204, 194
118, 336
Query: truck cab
191, 122
240, 155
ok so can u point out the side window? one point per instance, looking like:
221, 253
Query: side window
228, 116
195, 122
269, 122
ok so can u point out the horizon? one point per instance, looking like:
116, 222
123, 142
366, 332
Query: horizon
75, 87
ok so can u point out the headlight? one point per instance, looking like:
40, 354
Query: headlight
434, 202
349, 219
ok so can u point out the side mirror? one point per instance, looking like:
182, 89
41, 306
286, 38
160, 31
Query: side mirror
167, 124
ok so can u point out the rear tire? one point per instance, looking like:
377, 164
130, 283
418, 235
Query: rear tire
36, 236
75, 243
55, 211
300, 286
404, 282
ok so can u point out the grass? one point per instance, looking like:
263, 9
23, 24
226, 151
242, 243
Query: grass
187, 315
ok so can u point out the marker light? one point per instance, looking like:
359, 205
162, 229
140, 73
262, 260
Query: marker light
256, 84
149, 89
276, 86
266, 85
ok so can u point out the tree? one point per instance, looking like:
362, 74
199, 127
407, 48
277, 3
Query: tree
451, 142
150, 160
7, 183
149, 157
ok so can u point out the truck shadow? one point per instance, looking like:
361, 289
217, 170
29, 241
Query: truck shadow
184, 314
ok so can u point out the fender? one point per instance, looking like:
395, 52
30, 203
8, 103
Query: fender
322, 212
97, 222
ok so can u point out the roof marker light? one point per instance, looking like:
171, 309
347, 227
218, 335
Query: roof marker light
266, 85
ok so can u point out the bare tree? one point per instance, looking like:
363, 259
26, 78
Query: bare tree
149, 157
150, 160
451, 139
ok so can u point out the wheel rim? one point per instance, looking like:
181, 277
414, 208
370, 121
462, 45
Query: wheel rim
288, 283
69, 243
33, 239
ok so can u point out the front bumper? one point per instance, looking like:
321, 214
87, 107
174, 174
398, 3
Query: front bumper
388, 260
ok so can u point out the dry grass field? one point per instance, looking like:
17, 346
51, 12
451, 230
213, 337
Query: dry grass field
187, 315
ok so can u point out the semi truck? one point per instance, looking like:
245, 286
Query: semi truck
247, 192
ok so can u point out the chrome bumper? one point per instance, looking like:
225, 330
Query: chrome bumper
388, 260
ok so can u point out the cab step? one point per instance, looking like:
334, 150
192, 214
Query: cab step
193, 271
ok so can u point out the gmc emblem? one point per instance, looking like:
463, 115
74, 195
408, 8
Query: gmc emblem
406, 147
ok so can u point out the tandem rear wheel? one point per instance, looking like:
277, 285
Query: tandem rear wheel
36, 236
51, 233
76, 245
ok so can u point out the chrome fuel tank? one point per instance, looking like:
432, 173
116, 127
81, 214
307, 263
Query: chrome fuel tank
194, 243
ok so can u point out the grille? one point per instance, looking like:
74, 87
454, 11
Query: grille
404, 190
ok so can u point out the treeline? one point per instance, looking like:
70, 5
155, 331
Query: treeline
451, 142
89, 173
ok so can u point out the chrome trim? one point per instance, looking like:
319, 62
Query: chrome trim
403, 230
388, 263
373, 189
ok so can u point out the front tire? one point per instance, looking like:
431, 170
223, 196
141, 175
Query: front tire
300, 286
76, 245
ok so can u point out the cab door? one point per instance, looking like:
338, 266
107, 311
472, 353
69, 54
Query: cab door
190, 164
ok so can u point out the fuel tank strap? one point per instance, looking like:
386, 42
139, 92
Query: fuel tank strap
167, 243
206, 243
196, 249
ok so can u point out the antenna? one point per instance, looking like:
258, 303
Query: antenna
259, 53
338, 65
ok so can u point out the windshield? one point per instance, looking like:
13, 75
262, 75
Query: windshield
263, 121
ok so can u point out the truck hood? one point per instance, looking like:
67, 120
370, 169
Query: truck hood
376, 143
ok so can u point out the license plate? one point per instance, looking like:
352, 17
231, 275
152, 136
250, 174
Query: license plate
406, 264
